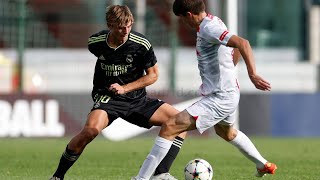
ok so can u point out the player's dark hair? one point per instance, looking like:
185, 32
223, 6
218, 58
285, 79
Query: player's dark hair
120, 15
181, 7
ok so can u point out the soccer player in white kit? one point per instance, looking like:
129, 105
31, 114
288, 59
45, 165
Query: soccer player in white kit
220, 89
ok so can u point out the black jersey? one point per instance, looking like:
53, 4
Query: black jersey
122, 65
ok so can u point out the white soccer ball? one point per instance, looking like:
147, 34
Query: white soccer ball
198, 169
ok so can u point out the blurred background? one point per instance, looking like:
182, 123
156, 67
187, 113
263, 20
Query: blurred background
46, 70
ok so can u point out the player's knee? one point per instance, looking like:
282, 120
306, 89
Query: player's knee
90, 133
169, 127
175, 125
183, 120
225, 134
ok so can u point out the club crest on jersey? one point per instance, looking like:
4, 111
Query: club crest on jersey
199, 42
129, 58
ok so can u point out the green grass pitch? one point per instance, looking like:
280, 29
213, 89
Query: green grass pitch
36, 159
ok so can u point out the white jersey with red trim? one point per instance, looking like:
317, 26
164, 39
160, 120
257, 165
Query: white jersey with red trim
215, 60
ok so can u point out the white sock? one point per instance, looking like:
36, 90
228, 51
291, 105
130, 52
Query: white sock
246, 147
158, 152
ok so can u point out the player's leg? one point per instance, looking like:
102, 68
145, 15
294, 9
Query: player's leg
242, 142
169, 130
163, 113
201, 115
246, 147
96, 122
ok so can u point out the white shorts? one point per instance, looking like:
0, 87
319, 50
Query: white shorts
215, 108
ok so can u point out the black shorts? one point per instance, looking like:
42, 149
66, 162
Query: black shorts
138, 111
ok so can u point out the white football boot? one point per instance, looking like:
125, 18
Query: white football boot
163, 176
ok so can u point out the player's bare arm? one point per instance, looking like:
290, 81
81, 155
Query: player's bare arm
149, 78
236, 56
245, 50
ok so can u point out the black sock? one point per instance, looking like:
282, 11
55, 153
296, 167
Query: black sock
167, 161
66, 161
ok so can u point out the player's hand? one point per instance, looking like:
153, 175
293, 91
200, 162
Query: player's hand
260, 83
117, 88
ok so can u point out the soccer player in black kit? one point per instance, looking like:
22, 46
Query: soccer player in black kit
125, 65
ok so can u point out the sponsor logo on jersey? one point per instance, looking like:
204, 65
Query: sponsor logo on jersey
115, 69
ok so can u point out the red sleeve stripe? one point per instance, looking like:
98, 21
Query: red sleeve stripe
210, 16
232, 54
237, 84
223, 35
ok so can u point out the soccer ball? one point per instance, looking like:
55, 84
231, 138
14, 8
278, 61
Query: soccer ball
198, 169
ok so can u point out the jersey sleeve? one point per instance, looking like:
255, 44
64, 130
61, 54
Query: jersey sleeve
217, 32
149, 58
95, 41
91, 46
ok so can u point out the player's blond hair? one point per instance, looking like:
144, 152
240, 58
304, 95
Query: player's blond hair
118, 15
